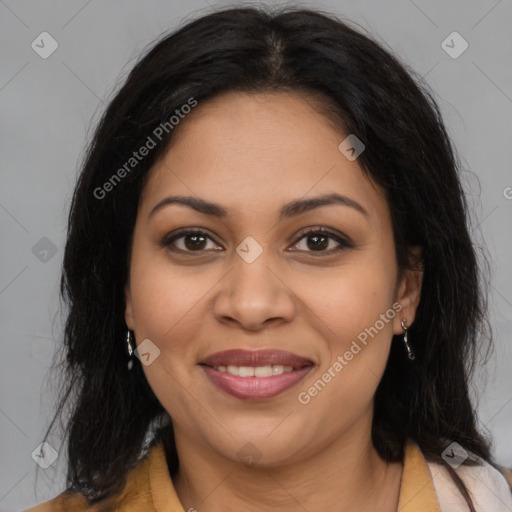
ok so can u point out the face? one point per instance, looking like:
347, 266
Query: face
315, 285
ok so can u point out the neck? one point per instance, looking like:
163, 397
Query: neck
347, 474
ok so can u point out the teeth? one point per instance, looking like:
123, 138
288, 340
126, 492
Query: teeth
246, 371
263, 371
255, 371
233, 370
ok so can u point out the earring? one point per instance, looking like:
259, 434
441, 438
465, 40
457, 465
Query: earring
130, 349
410, 353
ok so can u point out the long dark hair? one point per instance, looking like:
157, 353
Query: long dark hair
365, 91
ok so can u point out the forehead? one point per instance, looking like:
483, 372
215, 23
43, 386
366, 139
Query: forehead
257, 151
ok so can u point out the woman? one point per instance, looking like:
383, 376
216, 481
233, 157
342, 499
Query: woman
274, 299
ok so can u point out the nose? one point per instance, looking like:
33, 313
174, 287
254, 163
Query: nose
253, 296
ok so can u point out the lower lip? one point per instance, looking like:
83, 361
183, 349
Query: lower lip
255, 388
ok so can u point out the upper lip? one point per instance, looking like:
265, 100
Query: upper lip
239, 357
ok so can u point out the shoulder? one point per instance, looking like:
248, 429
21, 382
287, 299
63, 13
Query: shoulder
487, 486
136, 495
63, 502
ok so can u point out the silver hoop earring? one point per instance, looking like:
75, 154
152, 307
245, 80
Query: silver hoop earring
410, 353
130, 349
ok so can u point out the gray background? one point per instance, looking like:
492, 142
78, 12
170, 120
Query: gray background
48, 107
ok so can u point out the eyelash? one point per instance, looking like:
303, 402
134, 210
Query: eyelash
168, 240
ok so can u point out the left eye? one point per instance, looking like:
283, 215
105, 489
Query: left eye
319, 239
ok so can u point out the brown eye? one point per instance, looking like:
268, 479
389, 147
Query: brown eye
193, 242
315, 242
319, 240
188, 241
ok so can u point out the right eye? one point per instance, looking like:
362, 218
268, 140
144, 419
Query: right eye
187, 241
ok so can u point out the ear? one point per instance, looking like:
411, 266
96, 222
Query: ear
409, 290
128, 311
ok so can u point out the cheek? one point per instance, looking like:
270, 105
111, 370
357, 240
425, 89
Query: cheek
167, 310
350, 298
166, 299
354, 305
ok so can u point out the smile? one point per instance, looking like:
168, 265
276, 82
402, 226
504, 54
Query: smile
255, 375
253, 387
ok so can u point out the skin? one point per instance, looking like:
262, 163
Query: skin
251, 154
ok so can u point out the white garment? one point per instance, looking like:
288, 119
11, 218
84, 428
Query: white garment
487, 486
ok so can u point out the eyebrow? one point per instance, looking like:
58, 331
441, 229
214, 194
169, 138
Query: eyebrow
291, 209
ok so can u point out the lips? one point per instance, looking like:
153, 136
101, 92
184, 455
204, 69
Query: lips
238, 357
288, 369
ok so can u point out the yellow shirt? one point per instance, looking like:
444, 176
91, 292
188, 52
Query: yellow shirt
149, 488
